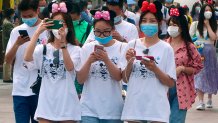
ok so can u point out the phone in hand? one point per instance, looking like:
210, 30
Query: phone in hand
138, 57
57, 24
149, 58
23, 33
98, 47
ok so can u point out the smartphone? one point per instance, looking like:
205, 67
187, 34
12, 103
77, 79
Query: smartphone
149, 58
23, 33
98, 47
146, 58
57, 24
138, 57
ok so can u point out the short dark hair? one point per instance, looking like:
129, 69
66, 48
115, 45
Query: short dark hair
28, 4
8, 12
75, 8
83, 4
115, 3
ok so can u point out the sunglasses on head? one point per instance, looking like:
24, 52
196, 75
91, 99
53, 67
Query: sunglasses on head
56, 58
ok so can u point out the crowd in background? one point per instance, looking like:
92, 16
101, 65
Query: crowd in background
144, 61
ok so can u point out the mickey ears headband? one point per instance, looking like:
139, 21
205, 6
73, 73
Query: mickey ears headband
63, 7
146, 6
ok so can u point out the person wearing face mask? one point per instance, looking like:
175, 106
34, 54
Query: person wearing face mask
205, 30
58, 62
124, 31
101, 99
188, 63
149, 68
195, 11
24, 100
7, 27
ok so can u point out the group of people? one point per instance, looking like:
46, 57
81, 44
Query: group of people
156, 58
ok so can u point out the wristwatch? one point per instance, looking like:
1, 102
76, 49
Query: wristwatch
64, 47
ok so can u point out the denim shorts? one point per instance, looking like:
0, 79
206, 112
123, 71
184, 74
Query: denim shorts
87, 119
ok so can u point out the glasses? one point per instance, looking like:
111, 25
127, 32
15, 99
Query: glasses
99, 33
56, 58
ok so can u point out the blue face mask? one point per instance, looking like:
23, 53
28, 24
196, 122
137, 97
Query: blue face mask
117, 19
149, 29
30, 21
104, 40
169, 1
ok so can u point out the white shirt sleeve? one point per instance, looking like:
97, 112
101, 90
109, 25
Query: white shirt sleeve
36, 63
84, 54
170, 64
75, 56
133, 33
12, 40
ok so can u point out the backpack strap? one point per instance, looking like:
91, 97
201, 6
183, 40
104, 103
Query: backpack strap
44, 53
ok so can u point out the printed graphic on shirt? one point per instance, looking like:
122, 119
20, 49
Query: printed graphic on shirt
139, 70
41, 41
99, 69
53, 71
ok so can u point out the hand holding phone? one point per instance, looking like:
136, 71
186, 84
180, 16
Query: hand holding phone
57, 24
23, 33
98, 47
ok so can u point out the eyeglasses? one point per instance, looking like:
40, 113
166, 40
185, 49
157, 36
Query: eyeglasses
99, 33
56, 58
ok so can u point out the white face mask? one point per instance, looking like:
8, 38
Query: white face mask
207, 14
173, 31
56, 34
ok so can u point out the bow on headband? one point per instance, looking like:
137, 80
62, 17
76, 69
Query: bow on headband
61, 7
174, 12
148, 7
104, 14
210, 2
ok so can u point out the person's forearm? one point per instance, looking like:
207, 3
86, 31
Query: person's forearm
127, 71
113, 70
28, 55
10, 56
213, 36
188, 70
67, 60
164, 78
83, 74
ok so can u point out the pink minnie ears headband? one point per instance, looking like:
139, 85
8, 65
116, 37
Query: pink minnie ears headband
103, 14
174, 12
59, 7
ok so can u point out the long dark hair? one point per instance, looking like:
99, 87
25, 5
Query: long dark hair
70, 38
182, 22
212, 21
193, 12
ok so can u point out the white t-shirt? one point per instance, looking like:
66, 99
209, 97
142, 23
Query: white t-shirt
101, 95
146, 95
166, 17
58, 99
126, 30
22, 78
131, 15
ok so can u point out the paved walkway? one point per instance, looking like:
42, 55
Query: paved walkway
193, 116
